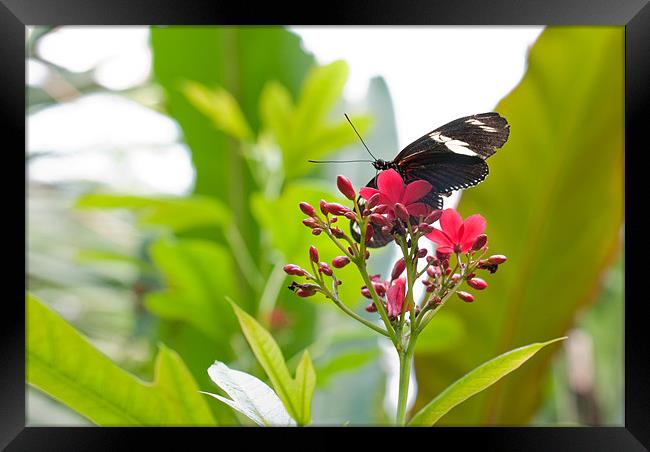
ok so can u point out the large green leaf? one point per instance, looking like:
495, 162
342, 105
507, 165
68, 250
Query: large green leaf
476, 381
554, 206
65, 365
199, 276
295, 393
176, 213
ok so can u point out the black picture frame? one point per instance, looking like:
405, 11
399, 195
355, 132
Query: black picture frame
634, 15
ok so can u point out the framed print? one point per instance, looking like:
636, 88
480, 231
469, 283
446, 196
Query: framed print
417, 218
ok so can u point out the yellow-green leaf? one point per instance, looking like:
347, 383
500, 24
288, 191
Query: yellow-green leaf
305, 384
64, 364
476, 381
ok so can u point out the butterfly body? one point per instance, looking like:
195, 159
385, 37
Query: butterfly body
451, 157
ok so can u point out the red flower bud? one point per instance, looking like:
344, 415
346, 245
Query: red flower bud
433, 217
442, 256
432, 272
425, 228
310, 223
307, 209
305, 293
373, 201
350, 215
345, 187
292, 269
323, 206
371, 308
382, 208
447, 270
380, 289
379, 220
316, 231
465, 296
336, 232
340, 261
334, 220
313, 254
430, 289
324, 268
480, 242
365, 292
401, 212
336, 209
455, 277
477, 283
497, 259
422, 252
398, 269
434, 301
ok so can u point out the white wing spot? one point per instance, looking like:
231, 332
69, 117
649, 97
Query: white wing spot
488, 129
475, 122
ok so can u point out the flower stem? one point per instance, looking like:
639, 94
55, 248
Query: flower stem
405, 361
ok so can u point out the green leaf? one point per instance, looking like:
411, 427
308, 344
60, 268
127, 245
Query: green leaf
306, 384
221, 107
177, 213
554, 205
199, 275
250, 396
270, 357
64, 364
296, 394
345, 362
476, 381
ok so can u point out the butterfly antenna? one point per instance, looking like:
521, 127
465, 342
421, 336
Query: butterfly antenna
339, 161
355, 131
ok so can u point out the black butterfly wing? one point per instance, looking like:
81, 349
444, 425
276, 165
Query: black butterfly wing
479, 135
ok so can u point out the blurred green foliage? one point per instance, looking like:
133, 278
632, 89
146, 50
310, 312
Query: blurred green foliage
554, 206
253, 108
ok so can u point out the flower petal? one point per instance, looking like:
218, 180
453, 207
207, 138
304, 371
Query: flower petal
440, 238
395, 296
415, 191
418, 209
367, 192
451, 221
390, 184
472, 228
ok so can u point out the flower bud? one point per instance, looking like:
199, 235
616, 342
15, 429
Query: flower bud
465, 296
480, 242
432, 272
316, 231
497, 259
345, 187
336, 209
379, 220
310, 223
422, 252
371, 308
455, 277
336, 232
380, 289
447, 270
433, 217
340, 261
373, 201
292, 269
313, 254
434, 301
305, 292
307, 209
430, 289
442, 256
477, 283
350, 215
323, 206
365, 292
334, 220
425, 228
382, 208
324, 268
398, 269
401, 212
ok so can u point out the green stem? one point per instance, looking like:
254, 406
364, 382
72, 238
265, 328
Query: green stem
405, 361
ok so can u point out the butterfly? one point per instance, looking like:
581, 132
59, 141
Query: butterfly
451, 157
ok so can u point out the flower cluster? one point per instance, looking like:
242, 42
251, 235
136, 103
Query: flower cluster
396, 209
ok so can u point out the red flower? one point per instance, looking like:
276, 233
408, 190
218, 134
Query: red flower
395, 295
457, 235
392, 190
